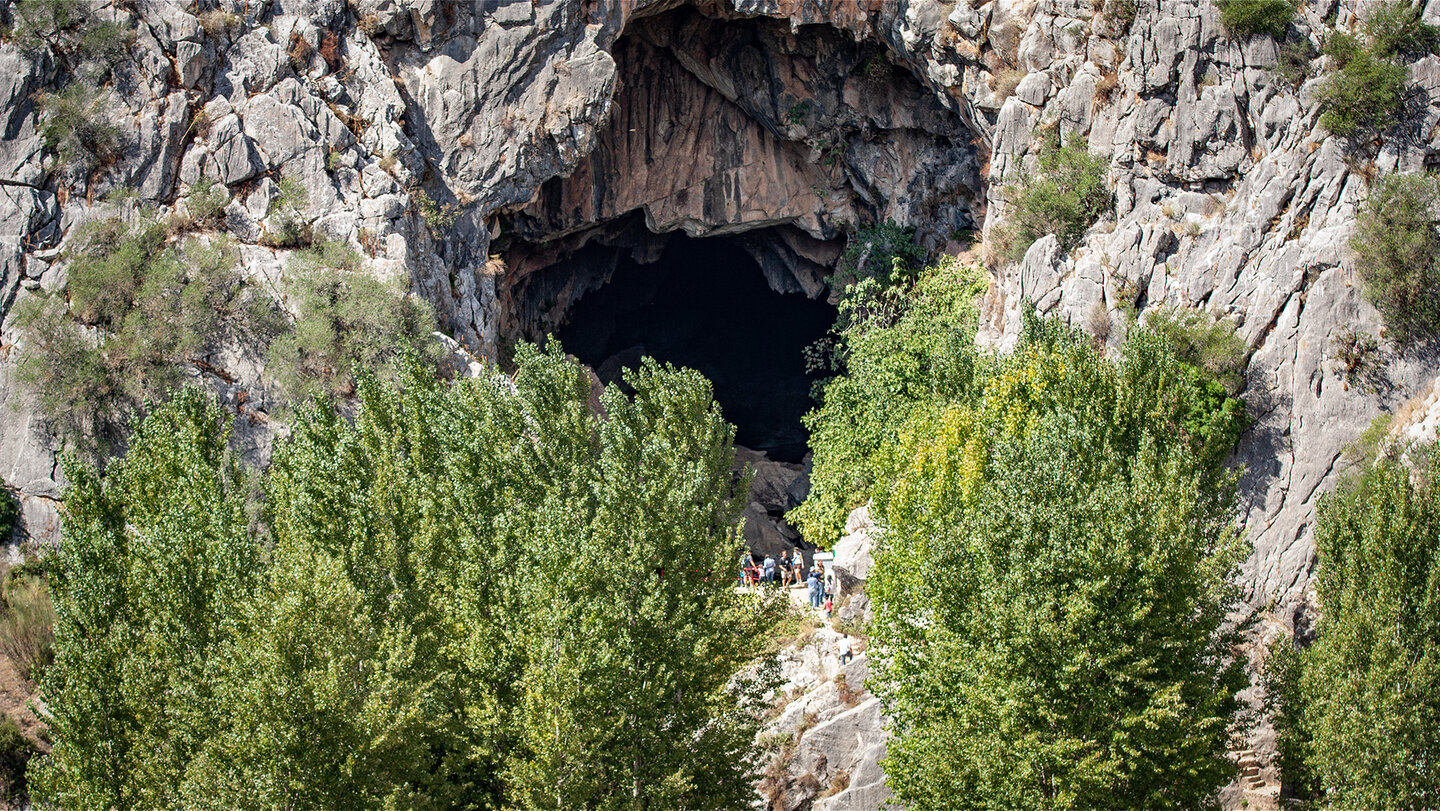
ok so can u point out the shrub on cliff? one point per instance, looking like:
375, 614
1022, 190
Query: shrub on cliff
1066, 196
141, 311
1357, 710
1397, 253
1366, 92
1057, 565
346, 320
479, 595
1248, 18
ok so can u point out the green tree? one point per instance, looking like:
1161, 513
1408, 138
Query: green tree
1397, 253
899, 347
1057, 564
479, 595
1360, 709
155, 563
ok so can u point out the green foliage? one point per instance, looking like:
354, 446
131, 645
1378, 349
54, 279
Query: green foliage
1205, 342
346, 320
1356, 354
438, 217
27, 624
73, 123
886, 253
85, 46
1122, 12
1358, 708
899, 348
1248, 18
141, 310
472, 596
206, 203
1395, 30
1367, 92
16, 752
1057, 565
1364, 94
1293, 63
288, 227
9, 513
1397, 253
1067, 196
154, 566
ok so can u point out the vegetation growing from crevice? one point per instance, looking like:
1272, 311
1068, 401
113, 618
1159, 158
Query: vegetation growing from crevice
390, 635
1367, 91
1356, 711
1248, 18
73, 123
346, 321
9, 513
140, 312
1065, 196
287, 227
84, 44
1397, 253
85, 40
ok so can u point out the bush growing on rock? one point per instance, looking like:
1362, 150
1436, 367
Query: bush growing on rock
1397, 253
1356, 710
1248, 18
1057, 565
73, 123
346, 320
142, 312
1065, 197
1366, 93
479, 595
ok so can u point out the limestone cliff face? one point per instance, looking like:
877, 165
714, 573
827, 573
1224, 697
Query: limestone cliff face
551, 125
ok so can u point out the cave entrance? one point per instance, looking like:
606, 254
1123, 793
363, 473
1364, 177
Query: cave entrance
705, 304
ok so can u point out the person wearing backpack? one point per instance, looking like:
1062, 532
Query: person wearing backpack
768, 570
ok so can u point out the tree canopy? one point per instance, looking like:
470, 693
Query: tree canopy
1359, 711
478, 595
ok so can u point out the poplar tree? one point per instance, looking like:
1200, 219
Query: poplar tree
1053, 578
486, 594
1360, 709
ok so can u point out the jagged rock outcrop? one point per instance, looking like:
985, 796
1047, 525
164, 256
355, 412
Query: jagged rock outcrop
829, 737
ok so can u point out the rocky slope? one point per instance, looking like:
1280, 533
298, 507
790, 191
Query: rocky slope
471, 147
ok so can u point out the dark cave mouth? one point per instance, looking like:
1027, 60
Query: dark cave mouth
705, 304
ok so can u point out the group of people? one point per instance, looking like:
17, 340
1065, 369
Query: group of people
789, 570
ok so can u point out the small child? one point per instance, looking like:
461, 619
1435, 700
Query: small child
829, 604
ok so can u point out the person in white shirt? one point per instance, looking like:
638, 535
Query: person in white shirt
843, 647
